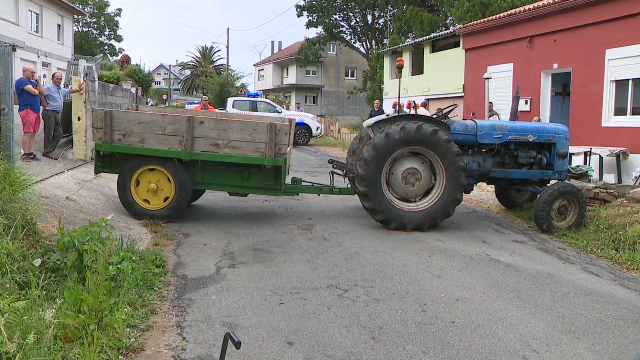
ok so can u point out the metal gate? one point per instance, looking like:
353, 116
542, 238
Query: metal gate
7, 141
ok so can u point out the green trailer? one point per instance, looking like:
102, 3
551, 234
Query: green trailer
167, 158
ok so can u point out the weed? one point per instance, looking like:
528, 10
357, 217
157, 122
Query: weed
610, 231
330, 142
354, 128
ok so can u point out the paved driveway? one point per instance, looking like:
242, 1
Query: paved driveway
316, 278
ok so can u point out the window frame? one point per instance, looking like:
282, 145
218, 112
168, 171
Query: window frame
309, 72
38, 30
608, 98
333, 48
313, 96
261, 75
348, 70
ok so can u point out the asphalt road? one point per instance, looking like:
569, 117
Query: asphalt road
316, 278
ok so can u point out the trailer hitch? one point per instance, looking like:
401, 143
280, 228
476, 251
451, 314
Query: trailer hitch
229, 336
344, 170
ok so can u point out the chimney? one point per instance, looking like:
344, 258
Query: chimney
279, 45
176, 62
272, 46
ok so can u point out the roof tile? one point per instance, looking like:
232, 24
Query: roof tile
289, 51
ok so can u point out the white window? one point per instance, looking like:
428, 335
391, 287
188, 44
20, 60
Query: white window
285, 71
260, 74
311, 71
159, 73
9, 10
59, 32
156, 83
311, 99
34, 22
333, 49
350, 73
621, 99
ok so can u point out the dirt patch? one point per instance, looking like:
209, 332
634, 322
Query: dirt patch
163, 339
334, 151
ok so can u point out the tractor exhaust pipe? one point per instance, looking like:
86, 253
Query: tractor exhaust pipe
514, 105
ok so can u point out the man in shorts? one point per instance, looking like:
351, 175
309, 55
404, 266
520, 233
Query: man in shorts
29, 91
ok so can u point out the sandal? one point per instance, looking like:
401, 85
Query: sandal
52, 157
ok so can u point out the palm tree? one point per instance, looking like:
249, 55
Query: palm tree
202, 65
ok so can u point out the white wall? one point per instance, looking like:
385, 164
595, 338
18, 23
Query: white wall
47, 48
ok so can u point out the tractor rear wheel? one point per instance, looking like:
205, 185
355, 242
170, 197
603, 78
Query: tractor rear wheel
560, 206
411, 177
511, 198
355, 149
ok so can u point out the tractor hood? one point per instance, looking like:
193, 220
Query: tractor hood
497, 131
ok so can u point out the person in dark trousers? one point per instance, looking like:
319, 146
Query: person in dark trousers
377, 110
53, 102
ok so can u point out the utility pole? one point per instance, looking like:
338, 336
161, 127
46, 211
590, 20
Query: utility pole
227, 50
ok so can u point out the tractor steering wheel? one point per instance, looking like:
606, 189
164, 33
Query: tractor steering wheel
446, 112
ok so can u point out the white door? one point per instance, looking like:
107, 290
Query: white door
501, 89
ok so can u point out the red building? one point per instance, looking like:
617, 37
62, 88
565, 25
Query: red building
577, 62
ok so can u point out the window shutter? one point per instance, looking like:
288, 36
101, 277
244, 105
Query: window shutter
627, 69
8, 10
500, 92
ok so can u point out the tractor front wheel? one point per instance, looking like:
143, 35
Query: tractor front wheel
411, 176
511, 198
560, 206
154, 188
196, 194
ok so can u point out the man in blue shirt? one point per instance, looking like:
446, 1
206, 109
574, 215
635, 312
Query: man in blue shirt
28, 92
51, 114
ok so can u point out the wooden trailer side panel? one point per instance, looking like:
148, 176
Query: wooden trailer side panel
213, 134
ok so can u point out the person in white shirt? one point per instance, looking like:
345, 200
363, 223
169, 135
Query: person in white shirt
422, 110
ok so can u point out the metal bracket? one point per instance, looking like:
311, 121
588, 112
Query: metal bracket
229, 335
343, 169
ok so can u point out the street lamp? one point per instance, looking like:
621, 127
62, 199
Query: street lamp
399, 66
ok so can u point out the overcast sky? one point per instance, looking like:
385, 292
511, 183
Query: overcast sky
165, 30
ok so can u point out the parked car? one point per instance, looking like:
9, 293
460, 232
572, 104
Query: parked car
308, 125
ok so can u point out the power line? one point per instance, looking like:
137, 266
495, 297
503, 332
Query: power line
282, 13
278, 33
162, 17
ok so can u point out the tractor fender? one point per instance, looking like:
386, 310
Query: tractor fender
375, 125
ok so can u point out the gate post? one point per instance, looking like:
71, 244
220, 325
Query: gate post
7, 142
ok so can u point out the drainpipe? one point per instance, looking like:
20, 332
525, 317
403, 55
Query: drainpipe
486, 78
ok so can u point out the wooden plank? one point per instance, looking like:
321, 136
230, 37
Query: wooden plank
271, 140
188, 135
238, 130
97, 118
236, 147
108, 127
212, 114
148, 140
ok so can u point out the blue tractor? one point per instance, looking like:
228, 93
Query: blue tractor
410, 171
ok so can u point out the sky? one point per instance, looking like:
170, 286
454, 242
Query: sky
156, 31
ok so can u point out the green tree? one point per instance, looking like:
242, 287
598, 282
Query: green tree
97, 33
202, 65
464, 11
143, 79
221, 87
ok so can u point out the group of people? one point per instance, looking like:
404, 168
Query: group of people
37, 104
286, 106
422, 109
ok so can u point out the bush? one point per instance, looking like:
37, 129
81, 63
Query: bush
80, 295
112, 77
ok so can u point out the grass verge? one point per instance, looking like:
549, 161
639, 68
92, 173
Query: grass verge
330, 142
611, 232
79, 294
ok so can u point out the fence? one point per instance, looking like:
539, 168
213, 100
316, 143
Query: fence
332, 129
7, 142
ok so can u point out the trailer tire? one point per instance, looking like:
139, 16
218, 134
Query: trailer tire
411, 177
196, 194
560, 206
355, 149
513, 199
154, 188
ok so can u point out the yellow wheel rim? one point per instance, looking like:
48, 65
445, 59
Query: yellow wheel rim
152, 187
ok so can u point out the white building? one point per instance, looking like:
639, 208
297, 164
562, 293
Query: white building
161, 76
42, 33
